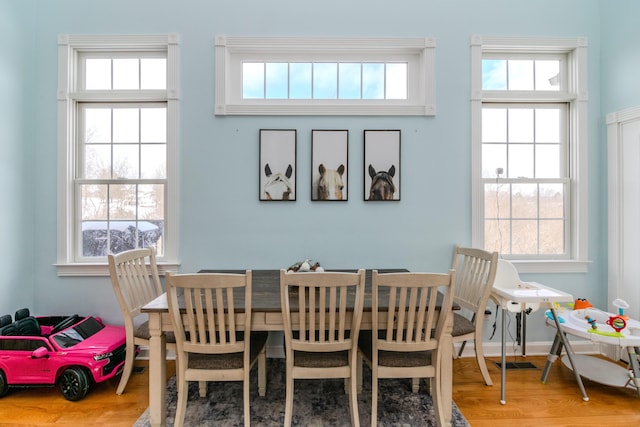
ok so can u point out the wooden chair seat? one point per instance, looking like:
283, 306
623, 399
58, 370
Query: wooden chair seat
462, 325
229, 360
142, 332
333, 359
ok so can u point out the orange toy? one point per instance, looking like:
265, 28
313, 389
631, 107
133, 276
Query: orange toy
581, 303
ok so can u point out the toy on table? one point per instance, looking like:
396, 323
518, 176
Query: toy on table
580, 303
622, 305
617, 322
550, 316
305, 266
558, 309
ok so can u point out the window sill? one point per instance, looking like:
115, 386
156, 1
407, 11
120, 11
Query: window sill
90, 270
550, 266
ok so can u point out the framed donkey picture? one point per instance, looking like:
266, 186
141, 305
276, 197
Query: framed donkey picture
329, 165
277, 165
381, 165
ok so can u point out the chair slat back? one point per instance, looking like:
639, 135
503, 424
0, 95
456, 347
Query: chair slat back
319, 306
210, 320
135, 279
475, 274
413, 320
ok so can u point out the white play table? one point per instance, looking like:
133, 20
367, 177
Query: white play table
574, 323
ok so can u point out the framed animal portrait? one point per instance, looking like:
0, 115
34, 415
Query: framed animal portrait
381, 165
329, 165
277, 165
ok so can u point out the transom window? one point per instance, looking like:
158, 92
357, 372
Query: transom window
520, 72
324, 80
529, 164
119, 115
324, 76
134, 71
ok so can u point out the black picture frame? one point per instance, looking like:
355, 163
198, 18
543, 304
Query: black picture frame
330, 165
382, 165
277, 174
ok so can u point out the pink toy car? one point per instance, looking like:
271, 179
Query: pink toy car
71, 351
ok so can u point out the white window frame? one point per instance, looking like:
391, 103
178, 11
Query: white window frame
419, 53
70, 48
576, 96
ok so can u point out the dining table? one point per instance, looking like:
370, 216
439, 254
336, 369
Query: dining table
266, 315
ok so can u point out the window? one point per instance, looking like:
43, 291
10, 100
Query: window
316, 76
529, 151
324, 80
118, 111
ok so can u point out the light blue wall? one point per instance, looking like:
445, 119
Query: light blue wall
621, 59
17, 165
223, 224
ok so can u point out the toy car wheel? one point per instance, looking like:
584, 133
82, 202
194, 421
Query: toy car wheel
4, 387
69, 321
74, 384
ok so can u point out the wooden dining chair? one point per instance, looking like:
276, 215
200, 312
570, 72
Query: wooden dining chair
213, 337
475, 275
321, 313
135, 280
409, 345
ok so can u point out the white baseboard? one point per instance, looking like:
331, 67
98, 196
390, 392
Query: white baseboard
536, 348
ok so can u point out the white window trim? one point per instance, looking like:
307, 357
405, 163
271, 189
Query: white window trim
577, 96
230, 51
67, 97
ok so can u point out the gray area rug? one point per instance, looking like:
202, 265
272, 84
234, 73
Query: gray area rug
315, 403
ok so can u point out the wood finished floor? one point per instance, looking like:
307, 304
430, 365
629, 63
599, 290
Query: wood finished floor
529, 403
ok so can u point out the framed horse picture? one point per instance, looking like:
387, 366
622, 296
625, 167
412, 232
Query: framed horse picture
329, 165
381, 165
278, 164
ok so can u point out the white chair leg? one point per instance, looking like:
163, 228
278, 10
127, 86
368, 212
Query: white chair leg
482, 363
359, 372
288, 407
130, 355
415, 385
262, 372
181, 406
245, 399
374, 397
353, 398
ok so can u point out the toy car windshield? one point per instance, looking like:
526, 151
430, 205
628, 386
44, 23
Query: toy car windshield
78, 333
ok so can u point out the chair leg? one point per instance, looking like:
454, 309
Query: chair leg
374, 397
288, 407
262, 372
128, 367
462, 345
245, 399
353, 398
436, 395
482, 364
415, 385
359, 372
202, 388
181, 406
